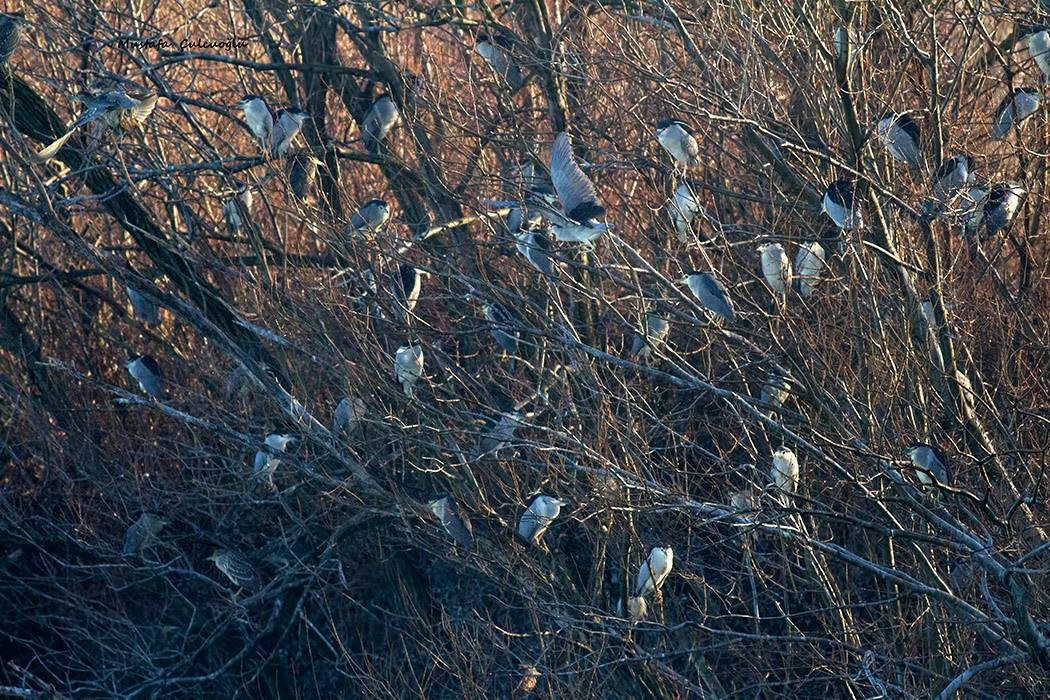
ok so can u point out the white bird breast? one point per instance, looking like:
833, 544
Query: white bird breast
785, 470
775, 267
672, 138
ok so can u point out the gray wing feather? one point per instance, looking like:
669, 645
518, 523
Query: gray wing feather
570, 182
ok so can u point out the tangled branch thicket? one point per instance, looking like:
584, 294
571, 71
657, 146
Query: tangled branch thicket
862, 584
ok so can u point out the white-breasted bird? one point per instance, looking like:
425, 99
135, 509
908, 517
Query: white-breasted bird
238, 209
288, 125
408, 367
1000, 207
535, 245
576, 220
1039, 48
931, 464
785, 471
776, 390
538, 517
637, 608
406, 289
654, 570
369, 219
652, 337
145, 370
1015, 108
951, 177
899, 133
678, 139
496, 50
776, 269
452, 519
259, 119
349, 413
711, 293
842, 206
267, 459
143, 307
684, 207
971, 209
809, 266
382, 116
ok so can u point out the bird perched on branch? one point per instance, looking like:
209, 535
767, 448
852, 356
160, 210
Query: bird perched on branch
302, 169
238, 209
678, 139
900, 135
12, 32
349, 413
651, 337
538, 517
684, 207
369, 219
408, 367
711, 293
115, 110
931, 464
842, 206
236, 568
775, 391
141, 533
654, 570
1039, 48
576, 220
809, 265
267, 460
999, 208
501, 322
382, 116
1015, 108
949, 180
496, 49
785, 472
288, 125
452, 519
776, 269
143, 307
406, 289
145, 370
260, 120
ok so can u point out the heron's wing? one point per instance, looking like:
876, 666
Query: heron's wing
689, 146
574, 189
142, 109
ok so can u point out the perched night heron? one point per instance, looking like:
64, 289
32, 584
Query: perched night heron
501, 323
776, 269
900, 135
711, 293
238, 209
951, 177
651, 337
369, 219
654, 570
406, 289
259, 118
267, 460
349, 413
679, 141
288, 125
637, 608
1016, 107
776, 390
496, 50
538, 517
536, 247
302, 169
114, 110
408, 367
236, 568
145, 370
1039, 48
1000, 207
499, 431
841, 205
809, 265
12, 31
143, 307
931, 464
742, 501
785, 472
684, 207
452, 519
382, 116
141, 533
971, 206
576, 220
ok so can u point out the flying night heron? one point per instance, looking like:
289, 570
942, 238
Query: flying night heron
841, 205
679, 140
142, 532
1015, 108
302, 169
114, 109
12, 32
785, 472
809, 266
930, 463
408, 367
236, 568
538, 517
452, 519
654, 570
576, 220
369, 219
776, 269
143, 307
238, 209
900, 135
406, 289
651, 338
267, 460
382, 116
1039, 48
145, 370
288, 125
711, 294
535, 246
349, 413
496, 49
684, 207
259, 119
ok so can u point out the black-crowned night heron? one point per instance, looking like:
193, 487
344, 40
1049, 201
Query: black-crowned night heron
931, 465
496, 49
538, 517
809, 266
114, 109
501, 322
536, 247
143, 307
369, 219
842, 206
576, 220
142, 532
650, 338
1000, 207
684, 208
1016, 107
452, 519
654, 570
1039, 48
679, 141
951, 177
302, 169
349, 413
238, 209
776, 269
900, 135
12, 31
145, 370
711, 293
637, 608
775, 391
971, 209
406, 288
236, 568
267, 460
408, 367
382, 116
259, 119
287, 126
785, 472
499, 430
